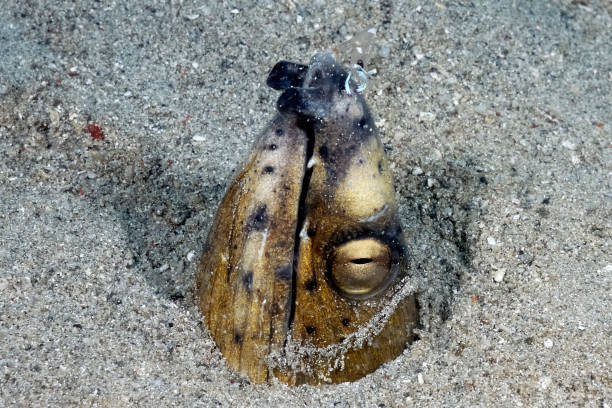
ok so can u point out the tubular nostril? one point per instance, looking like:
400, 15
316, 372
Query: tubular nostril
361, 261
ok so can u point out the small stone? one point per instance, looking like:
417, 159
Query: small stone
436, 155
491, 241
384, 52
164, 267
190, 256
54, 116
198, 138
417, 171
426, 117
499, 274
420, 378
480, 109
608, 268
548, 343
545, 383
3, 284
568, 145
26, 282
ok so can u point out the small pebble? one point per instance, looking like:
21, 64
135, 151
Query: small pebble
54, 116
480, 108
548, 343
417, 171
426, 117
190, 256
384, 52
198, 138
420, 378
436, 155
498, 275
568, 145
491, 241
545, 383
3, 284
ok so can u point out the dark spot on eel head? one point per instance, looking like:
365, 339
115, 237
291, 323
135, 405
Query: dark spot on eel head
346, 321
310, 329
268, 169
275, 309
311, 284
284, 273
363, 121
238, 338
311, 232
259, 218
247, 281
272, 146
279, 132
380, 167
323, 152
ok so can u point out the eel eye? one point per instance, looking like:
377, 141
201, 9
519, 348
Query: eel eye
361, 268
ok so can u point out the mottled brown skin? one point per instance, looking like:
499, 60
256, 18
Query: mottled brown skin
244, 296
267, 281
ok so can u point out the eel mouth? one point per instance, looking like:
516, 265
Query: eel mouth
301, 217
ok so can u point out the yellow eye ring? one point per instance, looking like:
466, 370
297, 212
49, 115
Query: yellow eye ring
361, 268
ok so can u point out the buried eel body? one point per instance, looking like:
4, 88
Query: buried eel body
305, 274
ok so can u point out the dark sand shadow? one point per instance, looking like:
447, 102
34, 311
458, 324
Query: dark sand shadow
164, 215
439, 209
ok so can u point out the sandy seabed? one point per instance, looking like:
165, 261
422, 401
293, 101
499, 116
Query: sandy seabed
122, 124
